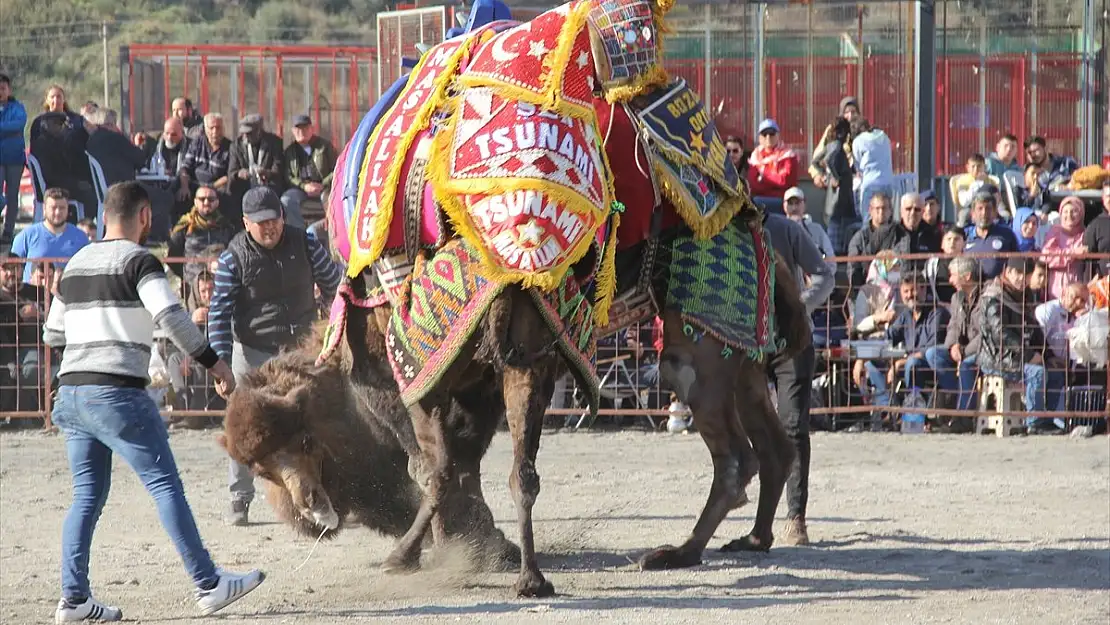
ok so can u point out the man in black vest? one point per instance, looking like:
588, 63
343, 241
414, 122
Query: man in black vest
263, 302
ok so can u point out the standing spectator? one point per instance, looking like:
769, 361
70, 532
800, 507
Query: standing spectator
795, 206
840, 202
1025, 226
985, 236
309, 167
1097, 236
207, 162
264, 302
849, 110
936, 269
198, 229
191, 120
53, 237
739, 157
1012, 345
56, 163
874, 161
13, 119
1055, 170
879, 211
1063, 242
774, 167
104, 315
256, 158
55, 102
907, 235
1004, 157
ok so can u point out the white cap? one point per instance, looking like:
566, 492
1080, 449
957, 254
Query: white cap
794, 192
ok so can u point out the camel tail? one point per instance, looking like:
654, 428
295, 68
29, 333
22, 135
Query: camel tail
790, 314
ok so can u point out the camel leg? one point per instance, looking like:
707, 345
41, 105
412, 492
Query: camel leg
703, 380
527, 392
428, 421
776, 454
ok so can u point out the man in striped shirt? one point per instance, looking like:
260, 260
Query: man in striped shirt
103, 315
264, 302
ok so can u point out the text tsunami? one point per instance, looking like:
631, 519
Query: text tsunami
551, 132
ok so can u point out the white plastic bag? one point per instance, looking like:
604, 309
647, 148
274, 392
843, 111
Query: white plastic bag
159, 374
1088, 337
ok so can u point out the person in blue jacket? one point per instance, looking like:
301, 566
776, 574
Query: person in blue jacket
13, 154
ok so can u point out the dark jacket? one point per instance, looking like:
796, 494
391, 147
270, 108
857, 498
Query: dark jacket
268, 156
118, 157
1097, 240
897, 238
1010, 333
963, 327
173, 157
275, 305
860, 245
187, 244
918, 335
302, 167
839, 201
58, 169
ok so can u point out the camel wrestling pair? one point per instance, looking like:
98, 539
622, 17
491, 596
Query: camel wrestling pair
526, 189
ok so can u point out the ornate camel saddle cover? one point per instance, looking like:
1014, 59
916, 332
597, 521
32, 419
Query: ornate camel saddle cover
724, 286
690, 158
624, 38
446, 298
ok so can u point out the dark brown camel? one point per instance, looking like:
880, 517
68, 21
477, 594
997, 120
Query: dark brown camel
507, 368
332, 444
731, 406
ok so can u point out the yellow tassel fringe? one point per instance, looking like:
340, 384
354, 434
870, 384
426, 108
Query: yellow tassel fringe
703, 227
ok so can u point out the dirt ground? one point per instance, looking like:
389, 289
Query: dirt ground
907, 529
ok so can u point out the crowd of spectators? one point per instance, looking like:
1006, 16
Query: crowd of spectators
943, 294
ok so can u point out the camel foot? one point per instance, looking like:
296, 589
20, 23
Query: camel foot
748, 543
669, 557
401, 563
533, 585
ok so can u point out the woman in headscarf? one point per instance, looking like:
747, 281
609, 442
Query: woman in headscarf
1025, 226
1062, 243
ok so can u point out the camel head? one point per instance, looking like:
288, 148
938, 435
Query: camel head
270, 434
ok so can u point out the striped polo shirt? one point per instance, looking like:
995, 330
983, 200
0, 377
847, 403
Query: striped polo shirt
110, 298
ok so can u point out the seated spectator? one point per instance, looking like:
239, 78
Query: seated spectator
309, 165
879, 212
207, 163
1012, 345
191, 120
986, 236
954, 363
832, 323
840, 199
1033, 194
51, 238
1004, 157
936, 269
55, 163
192, 388
738, 155
907, 235
918, 326
256, 159
873, 159
203, 226
930, 215
795, 207
1054, 170
774, 167
876, 303
20, 328
1097, 235
55, 102
1056, 317
165, 157
88, 226
1038, 283
1025, 225
966, 186
1063, 242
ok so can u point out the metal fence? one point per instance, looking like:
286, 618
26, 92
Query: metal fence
846, 392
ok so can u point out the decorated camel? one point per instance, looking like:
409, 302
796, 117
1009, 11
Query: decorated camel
525, 189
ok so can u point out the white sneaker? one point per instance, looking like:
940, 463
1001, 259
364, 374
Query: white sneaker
90, 610
231, 588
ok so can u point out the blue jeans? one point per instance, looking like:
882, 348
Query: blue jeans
1042, 392
949, 376
100, 420
10, 177
880, 395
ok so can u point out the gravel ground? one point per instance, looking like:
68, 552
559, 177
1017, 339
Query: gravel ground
906, 529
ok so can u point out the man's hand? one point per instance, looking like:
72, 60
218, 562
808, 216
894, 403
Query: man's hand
225, 380
820, 181
859, 374
243, 174
893, 371
313, 189
183, 193
200, 316
957, 353
886, 316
